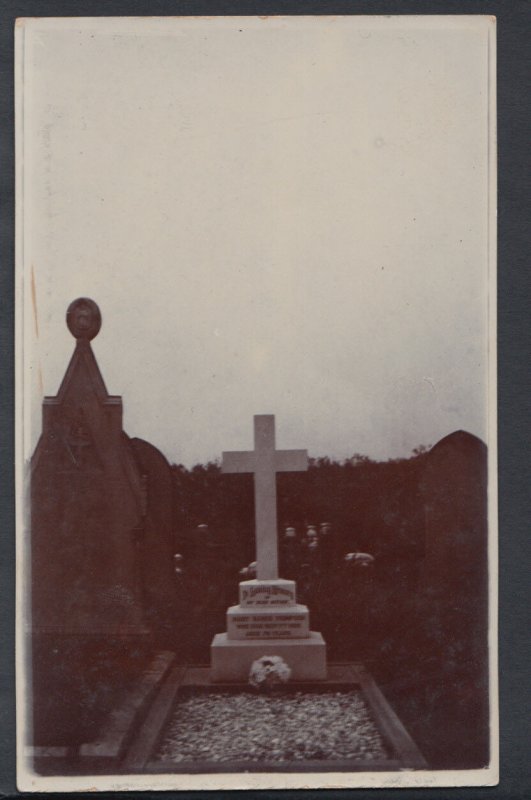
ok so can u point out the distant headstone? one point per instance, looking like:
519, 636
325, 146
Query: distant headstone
454, 495
454, 592
156, 545
268, 616
290, 554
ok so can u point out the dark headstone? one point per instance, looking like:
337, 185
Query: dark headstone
454, 490
101, 548
455, 598
87, 498
157, 540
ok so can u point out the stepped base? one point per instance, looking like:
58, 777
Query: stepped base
231, 659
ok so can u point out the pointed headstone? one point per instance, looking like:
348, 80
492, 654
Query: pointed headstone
86, 503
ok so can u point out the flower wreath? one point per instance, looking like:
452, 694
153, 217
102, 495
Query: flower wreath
269, 671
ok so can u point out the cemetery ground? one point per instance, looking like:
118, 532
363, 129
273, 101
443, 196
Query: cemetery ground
175, 721
140, 613
415, 679
422, 656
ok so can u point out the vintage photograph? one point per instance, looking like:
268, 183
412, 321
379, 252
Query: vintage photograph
256, 402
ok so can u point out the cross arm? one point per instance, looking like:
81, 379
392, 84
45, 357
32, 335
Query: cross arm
291, 460
238, 461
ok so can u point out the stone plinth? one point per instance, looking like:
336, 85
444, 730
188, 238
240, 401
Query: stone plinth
292, 622
268, 621
231, 659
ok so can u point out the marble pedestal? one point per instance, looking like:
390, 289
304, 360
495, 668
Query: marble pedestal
268, 622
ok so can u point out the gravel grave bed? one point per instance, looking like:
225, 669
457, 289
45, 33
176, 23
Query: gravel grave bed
294, 726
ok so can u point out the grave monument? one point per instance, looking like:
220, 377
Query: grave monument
102, 580
87, 497
453, 494
268, 620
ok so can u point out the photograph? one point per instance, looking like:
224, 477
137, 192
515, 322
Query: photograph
256, 397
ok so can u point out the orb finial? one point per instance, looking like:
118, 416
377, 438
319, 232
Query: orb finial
83, 318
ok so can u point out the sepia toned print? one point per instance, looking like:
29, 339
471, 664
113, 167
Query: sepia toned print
268, 561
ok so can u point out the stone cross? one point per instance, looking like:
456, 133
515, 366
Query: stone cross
264, 461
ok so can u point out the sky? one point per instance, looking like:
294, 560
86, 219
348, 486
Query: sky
282, 215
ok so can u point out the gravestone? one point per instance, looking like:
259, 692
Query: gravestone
454, 596
87, 497
156, 545
101, 545
453, 489
268, 620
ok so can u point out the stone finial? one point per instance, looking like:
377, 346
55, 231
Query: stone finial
83, 318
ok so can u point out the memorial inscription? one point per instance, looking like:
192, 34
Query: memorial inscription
270, 593
268, 623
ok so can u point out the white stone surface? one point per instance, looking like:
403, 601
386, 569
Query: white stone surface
231, 659
265, 461
268, 619
258, 593
292, 622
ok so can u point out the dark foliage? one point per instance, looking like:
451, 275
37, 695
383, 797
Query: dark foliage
372, 506
426, 645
